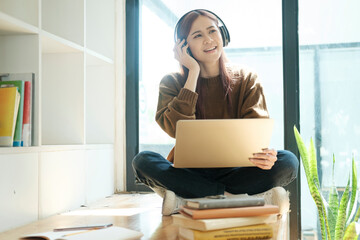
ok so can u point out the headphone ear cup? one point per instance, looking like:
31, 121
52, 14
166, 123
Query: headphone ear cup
224, 35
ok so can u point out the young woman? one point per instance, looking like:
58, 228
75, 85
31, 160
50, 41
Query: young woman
208, 87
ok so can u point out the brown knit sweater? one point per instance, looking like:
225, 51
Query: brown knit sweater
176, 102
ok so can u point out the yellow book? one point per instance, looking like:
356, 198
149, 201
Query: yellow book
221, 223
261, 231
9, 106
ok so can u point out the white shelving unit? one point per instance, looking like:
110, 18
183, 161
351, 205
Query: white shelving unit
70, 46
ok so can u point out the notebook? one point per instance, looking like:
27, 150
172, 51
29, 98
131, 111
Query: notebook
111, 233
217, 143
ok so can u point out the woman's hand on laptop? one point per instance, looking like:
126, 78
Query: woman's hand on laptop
265, 159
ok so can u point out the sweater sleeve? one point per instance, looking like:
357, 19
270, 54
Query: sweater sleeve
252, 99
174, 103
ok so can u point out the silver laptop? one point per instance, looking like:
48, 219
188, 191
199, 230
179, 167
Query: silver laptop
219, 143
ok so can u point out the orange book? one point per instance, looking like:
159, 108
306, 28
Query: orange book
230, 212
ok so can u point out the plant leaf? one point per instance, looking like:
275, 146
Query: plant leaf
357, 215
313, 163
352, 232
313, 181
303, 153
341, 218
332, 216
333, 204
315, 178
352, 207
321, 205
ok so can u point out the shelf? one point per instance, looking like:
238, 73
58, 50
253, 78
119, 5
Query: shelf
54, 148
93, 58
99, 33
70, 47
24, 10
62, 94
100, 104
17, 150
12, 26
51, 43
64, 18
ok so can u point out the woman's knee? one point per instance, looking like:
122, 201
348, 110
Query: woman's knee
142, 159
288, 162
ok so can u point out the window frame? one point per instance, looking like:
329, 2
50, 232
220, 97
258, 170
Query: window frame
291, 97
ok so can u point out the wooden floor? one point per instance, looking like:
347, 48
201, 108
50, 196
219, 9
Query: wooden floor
140, 212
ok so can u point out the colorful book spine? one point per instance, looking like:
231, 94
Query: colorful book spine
221, 223
19, 120
230, 212
261, 231
223, 202
9, 105
28, 100
26, 130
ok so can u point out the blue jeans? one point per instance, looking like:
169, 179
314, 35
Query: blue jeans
154, 170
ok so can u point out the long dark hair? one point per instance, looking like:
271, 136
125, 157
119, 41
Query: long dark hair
182, 32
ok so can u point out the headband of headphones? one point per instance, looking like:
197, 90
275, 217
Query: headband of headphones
223, 30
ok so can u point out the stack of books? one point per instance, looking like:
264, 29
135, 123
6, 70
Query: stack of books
226, 217
16, 93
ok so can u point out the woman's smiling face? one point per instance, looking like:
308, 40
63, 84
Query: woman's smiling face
205, 40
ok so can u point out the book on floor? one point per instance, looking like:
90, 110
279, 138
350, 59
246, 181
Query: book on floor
230, 212
260, 231
222, 201
9, 105
221, 223
111, 233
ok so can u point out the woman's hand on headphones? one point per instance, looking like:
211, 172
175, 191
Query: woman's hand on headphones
182, 55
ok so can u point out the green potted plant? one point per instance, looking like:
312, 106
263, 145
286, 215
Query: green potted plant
336, 215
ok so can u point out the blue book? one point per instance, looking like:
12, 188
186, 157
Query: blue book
221, 201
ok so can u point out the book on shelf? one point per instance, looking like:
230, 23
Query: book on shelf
230, 212
111, 233
9, 106
26, 130
19, 119
28, 100
221, 223
260, 231
222, 201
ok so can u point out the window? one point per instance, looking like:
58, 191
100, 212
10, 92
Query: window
255, 41
329, 84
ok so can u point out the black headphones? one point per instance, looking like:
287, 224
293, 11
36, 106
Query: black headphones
223, 30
